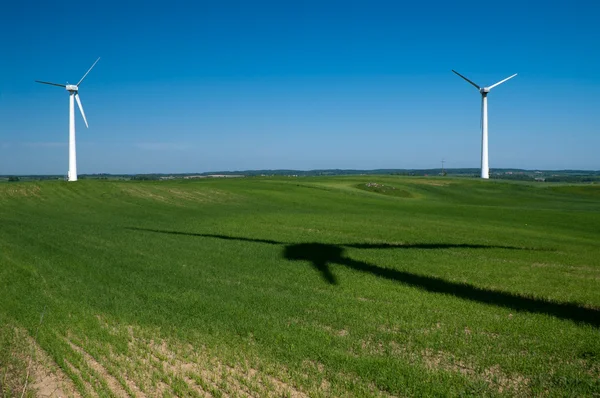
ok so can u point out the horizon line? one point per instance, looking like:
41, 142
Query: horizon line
388, 170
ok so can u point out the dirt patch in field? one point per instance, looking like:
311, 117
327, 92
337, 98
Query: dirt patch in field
428, 182
516, 385
113, 384
144, 193
154, 368
208, 376
20, 191
88, 387
435, 361
384, 189
206, 195
43, 378
51, 381
332, 331
371, 346
176, 196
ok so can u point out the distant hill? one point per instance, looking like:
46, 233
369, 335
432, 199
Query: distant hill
573, 176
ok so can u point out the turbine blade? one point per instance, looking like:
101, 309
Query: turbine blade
478, 88
52, 84
81, 109
501, 81
86, 73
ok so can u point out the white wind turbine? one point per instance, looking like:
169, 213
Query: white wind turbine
73, 95
485, 170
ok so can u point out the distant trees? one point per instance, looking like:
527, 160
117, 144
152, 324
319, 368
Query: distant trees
517, 177
145, 177
13, 179
573, 179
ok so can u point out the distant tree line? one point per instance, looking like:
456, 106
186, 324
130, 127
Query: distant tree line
573, 176
146, 177
514, 177
574, 179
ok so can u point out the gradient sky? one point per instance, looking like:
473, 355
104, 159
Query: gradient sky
233, 85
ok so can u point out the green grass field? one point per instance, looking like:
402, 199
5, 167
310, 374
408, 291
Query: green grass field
338, 286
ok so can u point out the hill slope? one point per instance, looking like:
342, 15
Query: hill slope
363, 286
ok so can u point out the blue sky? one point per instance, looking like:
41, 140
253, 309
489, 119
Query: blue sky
233, 85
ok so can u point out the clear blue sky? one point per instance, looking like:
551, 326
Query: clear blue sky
232, 85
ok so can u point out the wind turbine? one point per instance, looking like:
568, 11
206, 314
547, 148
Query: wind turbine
485, 169
73, 95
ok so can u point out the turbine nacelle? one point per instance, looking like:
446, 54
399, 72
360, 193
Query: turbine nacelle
484, 90
72, 88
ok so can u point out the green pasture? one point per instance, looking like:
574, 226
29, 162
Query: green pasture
337, 286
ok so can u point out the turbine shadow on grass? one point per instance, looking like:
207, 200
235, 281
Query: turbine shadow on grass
321, 255
225, 237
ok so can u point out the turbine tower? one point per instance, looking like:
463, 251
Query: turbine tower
485, 169
73, 96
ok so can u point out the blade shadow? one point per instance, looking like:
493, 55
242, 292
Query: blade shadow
353, 245
322, 255
432, 246
224, 237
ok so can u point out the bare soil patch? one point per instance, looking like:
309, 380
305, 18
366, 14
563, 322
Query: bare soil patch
154, 368
43, 376
11, 190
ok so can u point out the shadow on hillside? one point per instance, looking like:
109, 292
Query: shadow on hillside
225, 237
321, 256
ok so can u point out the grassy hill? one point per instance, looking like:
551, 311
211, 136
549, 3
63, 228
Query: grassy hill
321, 286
